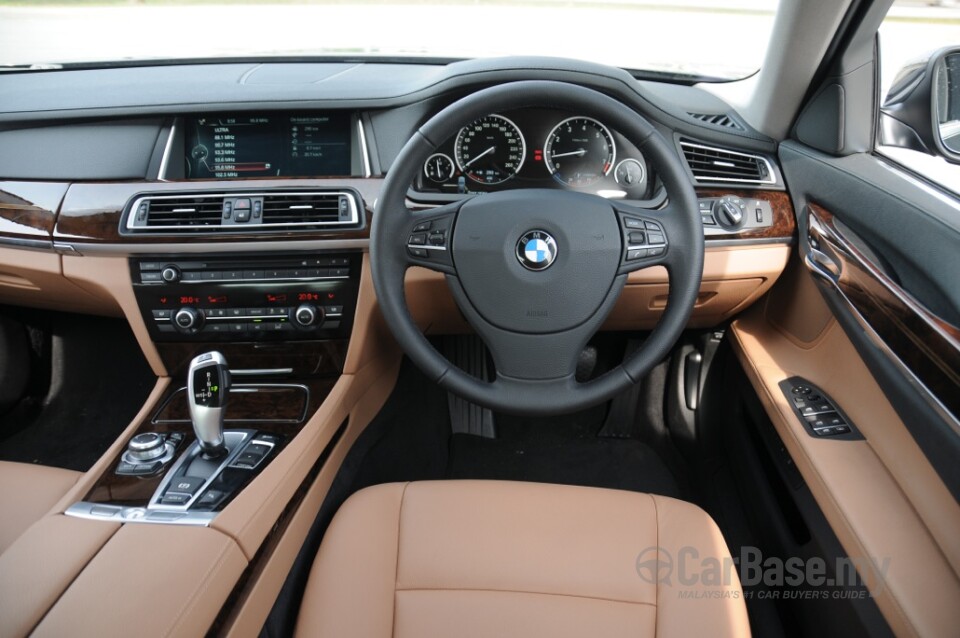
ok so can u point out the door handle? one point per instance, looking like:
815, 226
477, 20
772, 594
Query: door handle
822, 265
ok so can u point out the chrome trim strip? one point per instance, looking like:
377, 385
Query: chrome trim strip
363, 245
30, 244
244, 281
132, 224
117, 514
127, 249
257, 372
364, 151
165, 159
770, 171
425, 247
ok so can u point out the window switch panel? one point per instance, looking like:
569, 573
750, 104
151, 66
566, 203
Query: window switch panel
820, 415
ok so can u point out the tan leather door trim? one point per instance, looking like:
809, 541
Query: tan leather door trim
880, 495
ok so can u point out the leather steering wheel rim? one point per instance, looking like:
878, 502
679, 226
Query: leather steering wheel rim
535, 362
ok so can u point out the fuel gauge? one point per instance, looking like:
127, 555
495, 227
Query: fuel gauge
629, 173
438, 168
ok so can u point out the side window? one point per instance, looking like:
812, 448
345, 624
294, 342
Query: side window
911, 33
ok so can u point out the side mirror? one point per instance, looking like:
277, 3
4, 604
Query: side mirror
922, 108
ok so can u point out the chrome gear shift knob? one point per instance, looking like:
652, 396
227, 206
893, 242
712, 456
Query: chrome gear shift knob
208, 386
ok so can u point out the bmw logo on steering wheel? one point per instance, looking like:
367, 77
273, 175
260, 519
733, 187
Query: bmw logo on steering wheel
536, 250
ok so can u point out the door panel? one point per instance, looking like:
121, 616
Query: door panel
897, 295
868, 310
880, 495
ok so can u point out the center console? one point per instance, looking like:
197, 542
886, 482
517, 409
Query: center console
243, 298
253, 345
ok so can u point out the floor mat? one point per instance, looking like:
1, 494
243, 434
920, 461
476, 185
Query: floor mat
99, 382
564, 450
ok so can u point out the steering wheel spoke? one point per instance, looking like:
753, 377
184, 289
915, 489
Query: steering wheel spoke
428, 238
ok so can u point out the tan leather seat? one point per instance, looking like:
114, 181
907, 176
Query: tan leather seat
27, 493
490, 558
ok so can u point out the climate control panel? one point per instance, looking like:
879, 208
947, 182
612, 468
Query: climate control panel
243, 298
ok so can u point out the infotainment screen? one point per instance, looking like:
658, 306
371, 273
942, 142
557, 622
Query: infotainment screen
268, 145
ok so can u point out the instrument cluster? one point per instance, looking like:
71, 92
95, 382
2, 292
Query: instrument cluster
536, 148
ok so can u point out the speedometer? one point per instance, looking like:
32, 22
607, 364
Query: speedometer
579, 151
490, 150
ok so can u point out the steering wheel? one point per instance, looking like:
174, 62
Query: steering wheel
536, 271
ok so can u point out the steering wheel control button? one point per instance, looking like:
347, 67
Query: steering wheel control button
422, 227
536, 250
642, 239
417, 239
421, 253
437, 239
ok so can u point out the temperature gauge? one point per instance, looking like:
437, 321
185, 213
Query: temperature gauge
438, 168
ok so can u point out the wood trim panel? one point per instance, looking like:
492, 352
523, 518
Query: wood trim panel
136, 491
784, 221
28, 210
92, 212
306, 358
924, 343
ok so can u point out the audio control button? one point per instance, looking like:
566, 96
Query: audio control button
170, 274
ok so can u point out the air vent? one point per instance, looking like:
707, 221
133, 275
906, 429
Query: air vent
242, 212
710, 164
717, 119
311, 208
182, 212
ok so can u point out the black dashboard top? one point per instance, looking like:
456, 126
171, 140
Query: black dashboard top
119, 118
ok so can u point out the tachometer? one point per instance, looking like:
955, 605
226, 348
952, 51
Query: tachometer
579, 151
490, 150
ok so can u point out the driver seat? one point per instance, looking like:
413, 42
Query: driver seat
505, 559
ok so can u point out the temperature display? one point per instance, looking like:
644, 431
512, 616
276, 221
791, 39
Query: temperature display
188, 300
308, 296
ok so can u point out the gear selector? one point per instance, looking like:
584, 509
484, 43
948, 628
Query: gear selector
208, 385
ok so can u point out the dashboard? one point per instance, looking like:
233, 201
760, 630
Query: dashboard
193, 192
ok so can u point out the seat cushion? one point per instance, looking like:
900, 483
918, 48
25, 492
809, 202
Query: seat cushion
28, 492
496, 558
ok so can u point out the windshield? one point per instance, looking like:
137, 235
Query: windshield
724, 39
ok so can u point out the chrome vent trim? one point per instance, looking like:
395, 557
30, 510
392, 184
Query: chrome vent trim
712, 164
203, 212
717, 119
